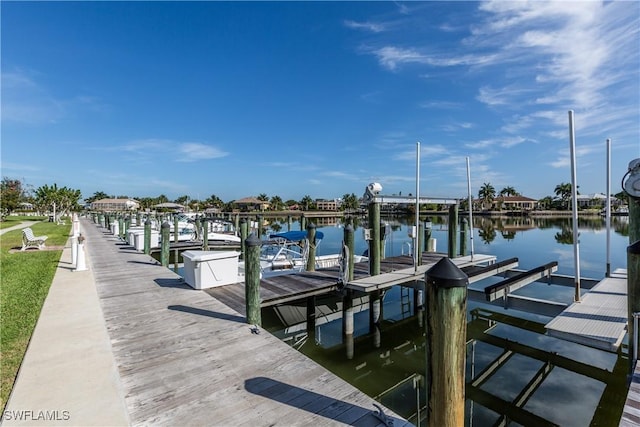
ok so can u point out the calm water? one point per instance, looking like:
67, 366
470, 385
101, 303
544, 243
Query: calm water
529, 378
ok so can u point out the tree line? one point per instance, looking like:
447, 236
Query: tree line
14, 194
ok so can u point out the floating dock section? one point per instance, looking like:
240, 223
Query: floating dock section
600, 319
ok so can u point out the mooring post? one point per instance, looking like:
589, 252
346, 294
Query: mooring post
464, 236
260, 226
311, 319
374, 243
446, 290
243, 234
236, 222
198, 228
427, 236
303, 222
288, 222
349, 241
176, 231
347, 322
252, 279
138, 219
375, 309
147, 236
633, 299
311, 241
205, 234
453, 231
634, 219
164, 249
419, 242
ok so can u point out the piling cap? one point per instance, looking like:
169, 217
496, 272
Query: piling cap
634, 249
252, 240
165, 225
311, 225
445, 274
349, 228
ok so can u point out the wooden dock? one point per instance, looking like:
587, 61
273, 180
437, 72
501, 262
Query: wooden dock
185, 358
286, 288
631, 412
600, 319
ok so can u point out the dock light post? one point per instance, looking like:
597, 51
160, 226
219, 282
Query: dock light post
311, 240
446, 328
374, 243
147, 236
164, 250
81, 264
121, 226
252, 279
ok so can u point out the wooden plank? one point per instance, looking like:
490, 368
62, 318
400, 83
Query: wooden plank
405, 275
599, 320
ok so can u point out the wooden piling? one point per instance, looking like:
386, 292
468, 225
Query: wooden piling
419, 242
348, 322
311, 239
374, 243
464, 236
176, 231
375, 309
311, 319
252, 279
634, 219
244, 226
164, 248
205, 234
198, 228
446, 327
147, 236
303, 222
453, 231
427, 236
349, 241
633, 297
260, 226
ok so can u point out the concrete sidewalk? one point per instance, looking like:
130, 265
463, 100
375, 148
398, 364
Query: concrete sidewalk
23, 224
68, 376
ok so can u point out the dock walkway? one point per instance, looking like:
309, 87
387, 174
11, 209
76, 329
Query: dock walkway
599, 320
185, 358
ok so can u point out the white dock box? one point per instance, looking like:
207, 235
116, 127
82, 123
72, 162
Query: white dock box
207, 269
138, 239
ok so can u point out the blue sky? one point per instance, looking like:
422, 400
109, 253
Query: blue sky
294, 98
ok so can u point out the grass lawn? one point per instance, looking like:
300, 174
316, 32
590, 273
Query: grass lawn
24, 283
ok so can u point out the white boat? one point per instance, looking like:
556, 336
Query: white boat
287, 253
219, 230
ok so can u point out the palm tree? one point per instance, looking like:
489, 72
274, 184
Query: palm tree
486, 194
276, 203
563, 191
307, 202
509, 191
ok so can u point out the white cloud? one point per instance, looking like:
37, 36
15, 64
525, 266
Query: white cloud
368, 26
195, 151
391, 57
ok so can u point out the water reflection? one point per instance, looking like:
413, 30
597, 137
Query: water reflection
515, 374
